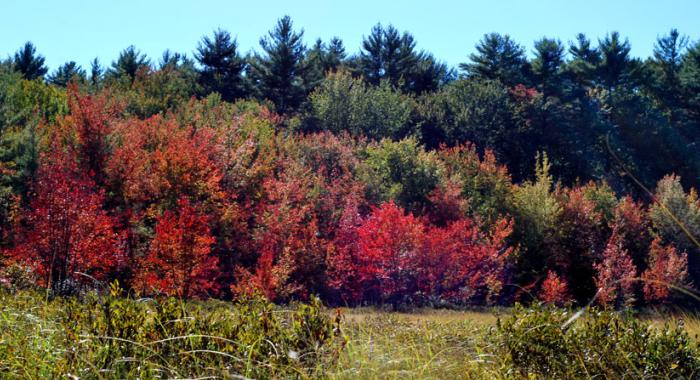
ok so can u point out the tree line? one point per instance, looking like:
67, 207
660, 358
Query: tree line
379, 177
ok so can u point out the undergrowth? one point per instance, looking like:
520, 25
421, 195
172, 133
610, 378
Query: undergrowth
112, 335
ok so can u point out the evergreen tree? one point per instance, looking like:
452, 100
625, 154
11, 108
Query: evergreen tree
398, 55
334, 55
428, 75
67, 72
222, 66
547, 66
327, 57
95, 72
29, 63
280, 74
129, 62
584, 60
498, 57
314, 60
370, 61
617, 68
388, 55
689, 77
665, 67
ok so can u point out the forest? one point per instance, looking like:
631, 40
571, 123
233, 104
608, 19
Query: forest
298, 210
378, 177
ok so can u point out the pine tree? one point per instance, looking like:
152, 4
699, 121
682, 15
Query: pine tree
428, 75
665, 68
690, 82
547, 66
222, 66
323, 59
334, 55
67, 72
584, 60
617, 68
498, 57
280, 74
390, 56
371, 59
129, 62
29, 63
95, 72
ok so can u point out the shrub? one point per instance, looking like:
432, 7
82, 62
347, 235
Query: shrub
541, 343
112, 336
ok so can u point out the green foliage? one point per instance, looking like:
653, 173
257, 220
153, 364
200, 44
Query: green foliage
222, 65
545, 343
128, 64
343, 103
617, 68
535, 204
401, 171
29, 63
390, 56
69, 71
157, 92
498, 57
484, 183
547, 66
676, 218
110, 336
24, 106
281, 73
466, 110
537, 212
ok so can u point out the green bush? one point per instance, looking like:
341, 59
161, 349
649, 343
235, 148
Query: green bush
549, 343
120, 337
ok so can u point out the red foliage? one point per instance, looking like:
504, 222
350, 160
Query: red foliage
632, 224
616, 274
555, 290
446, 204
292, 252
389, 244
579, 243
463, 264
180, 261
342, 261
159, 162
87, 128
521, 91
667, 268
392, 256
67, 232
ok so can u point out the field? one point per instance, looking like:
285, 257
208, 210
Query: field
438, 344
115, 337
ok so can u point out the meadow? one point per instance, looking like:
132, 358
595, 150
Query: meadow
111, 336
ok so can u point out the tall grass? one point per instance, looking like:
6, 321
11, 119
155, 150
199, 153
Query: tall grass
113, 337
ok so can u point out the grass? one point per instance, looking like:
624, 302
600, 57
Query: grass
438, 344
435, 344
423, 344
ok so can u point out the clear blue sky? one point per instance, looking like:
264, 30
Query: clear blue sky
81, 30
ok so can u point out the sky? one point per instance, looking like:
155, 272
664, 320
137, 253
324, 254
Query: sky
81, 30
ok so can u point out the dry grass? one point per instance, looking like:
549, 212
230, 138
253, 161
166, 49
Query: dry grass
437, 344
423, 344
434, 344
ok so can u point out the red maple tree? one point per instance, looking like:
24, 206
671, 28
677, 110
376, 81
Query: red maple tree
555, 290
616, 274
180, 261
67, 233
667, 269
